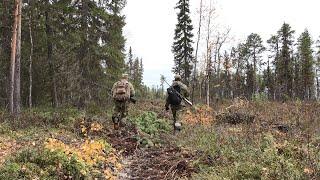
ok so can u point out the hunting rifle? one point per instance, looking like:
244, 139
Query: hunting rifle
182, 97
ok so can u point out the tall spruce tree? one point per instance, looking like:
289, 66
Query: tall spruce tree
285, 62
182, 46
130, 63
136, 73
80, 43
307, 62
268, 81
114, 38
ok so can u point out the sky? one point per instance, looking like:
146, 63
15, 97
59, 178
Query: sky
151, 23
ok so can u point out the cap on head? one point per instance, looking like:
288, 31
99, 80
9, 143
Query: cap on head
177, 77
125, 76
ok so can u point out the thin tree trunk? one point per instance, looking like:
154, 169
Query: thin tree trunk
6, 47
200, 91
13, 57
208, 57
17, 90
83, 70
30, 58
196, 56
52, 73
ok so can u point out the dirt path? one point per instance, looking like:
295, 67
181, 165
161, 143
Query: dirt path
165, 162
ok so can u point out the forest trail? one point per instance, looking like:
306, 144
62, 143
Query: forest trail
166, 161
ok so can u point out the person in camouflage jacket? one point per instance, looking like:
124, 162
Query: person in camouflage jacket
176, 109
122, 93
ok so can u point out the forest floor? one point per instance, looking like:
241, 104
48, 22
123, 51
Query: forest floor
234, 140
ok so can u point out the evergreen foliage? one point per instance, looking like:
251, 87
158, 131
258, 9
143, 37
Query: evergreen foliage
307, 63
254, 49
78, 50
182, 46
285, 61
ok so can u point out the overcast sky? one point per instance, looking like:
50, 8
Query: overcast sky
151, 23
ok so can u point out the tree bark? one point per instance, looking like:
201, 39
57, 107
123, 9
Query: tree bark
208, 68
50, 59
13, 57
30, 57
6, 50
83, 70
17, 79
196, 55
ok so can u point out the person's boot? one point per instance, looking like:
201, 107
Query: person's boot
177, 126
116, 122
123, 122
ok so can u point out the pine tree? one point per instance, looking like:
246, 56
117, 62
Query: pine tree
238, 60
255, 49
182, 46
307, 62
274, 53
15, 95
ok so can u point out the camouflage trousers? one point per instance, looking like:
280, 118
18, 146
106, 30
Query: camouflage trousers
120, 111
176, 112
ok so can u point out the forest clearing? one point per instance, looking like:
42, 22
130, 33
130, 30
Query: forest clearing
159, 89
218, 143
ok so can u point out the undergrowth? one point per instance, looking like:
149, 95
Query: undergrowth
283, 142
42, 164
151, 127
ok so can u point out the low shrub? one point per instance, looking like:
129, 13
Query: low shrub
42, 164
235, 157
150, 124
45, 117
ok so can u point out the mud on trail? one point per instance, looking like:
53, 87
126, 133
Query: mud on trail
159, 162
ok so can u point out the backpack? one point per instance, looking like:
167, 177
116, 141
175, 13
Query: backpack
121, 91
173, 97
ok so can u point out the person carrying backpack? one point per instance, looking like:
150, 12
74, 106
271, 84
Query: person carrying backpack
174, 101
122, 93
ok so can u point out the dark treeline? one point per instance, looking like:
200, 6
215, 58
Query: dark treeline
285, 69
71, 51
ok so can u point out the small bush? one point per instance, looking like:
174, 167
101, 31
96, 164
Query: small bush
150, 124
260, 97
42, 164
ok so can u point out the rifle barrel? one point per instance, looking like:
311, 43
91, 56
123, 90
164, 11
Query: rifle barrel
182, 97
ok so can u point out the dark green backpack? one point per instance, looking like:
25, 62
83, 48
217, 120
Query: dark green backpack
173, 97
